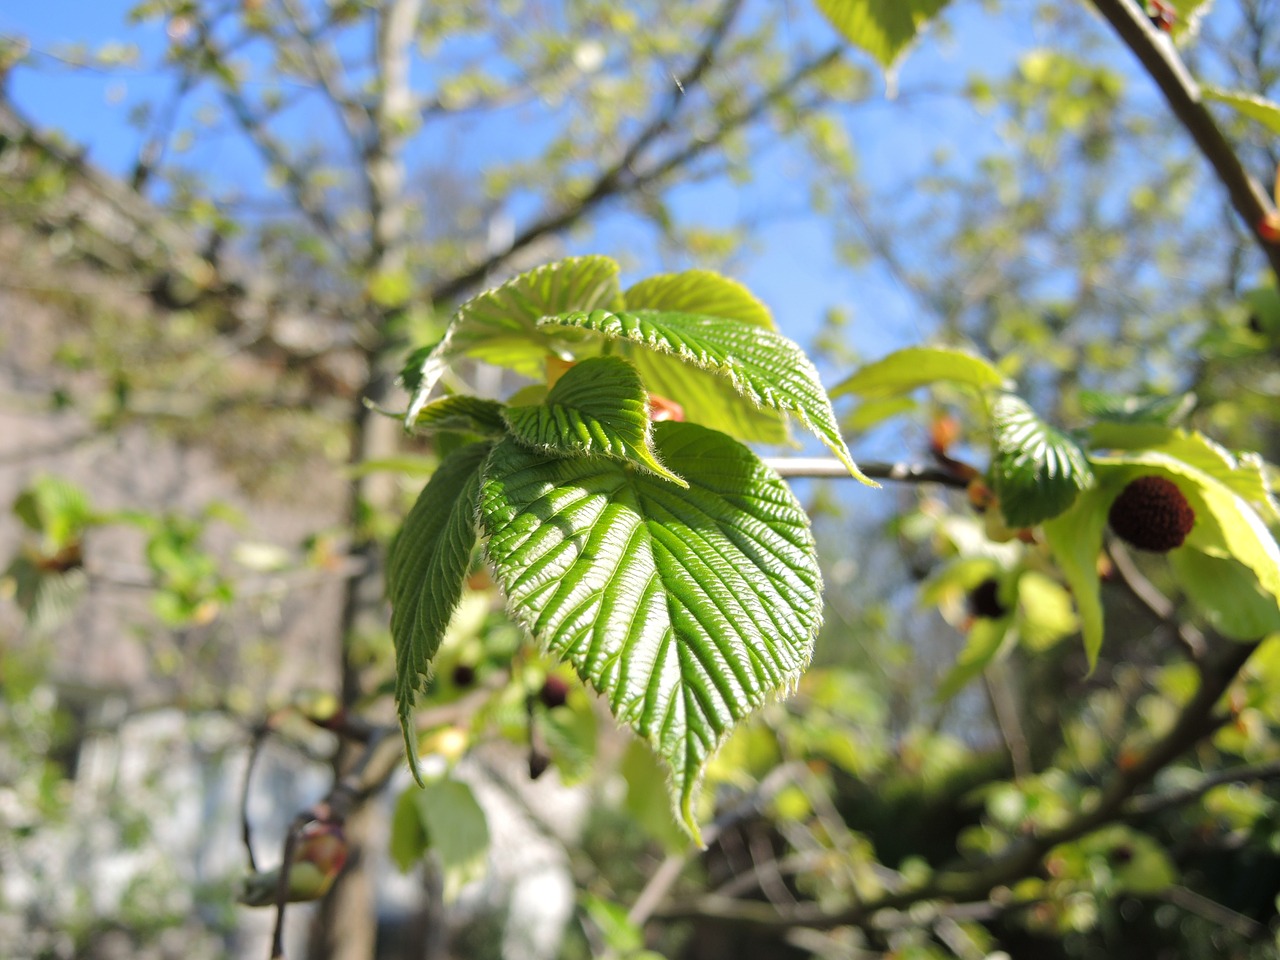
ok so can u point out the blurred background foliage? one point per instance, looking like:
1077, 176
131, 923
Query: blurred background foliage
293, 194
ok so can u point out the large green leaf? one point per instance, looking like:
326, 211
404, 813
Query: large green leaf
500, 326
707, 398
1036, 471
764, 367
905, 370
1227, 593
1243, 475
883, 28
1226, 525
686, 609
699, 291
1259, 109
426, 569
599, 407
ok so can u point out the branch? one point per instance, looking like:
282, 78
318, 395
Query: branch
272, 151
1155, 601
1195, 721
1159, 802
831, 468
1161, 61
613, 180
328, 72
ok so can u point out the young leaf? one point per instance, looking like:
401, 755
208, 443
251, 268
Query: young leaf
1243, 476
987, 640
1259, 109
599, 407
702, 292
1226, 525
712, 401
686, 609
426, 568
764, 367
905, 370
1075, 539
445, 817
1227, 593
500, 326
883, 28
471, 414
1036, 471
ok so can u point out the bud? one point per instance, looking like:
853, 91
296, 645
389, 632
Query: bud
318, 858
1151, 513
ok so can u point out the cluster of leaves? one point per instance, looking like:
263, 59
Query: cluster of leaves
664, 561
1065, 484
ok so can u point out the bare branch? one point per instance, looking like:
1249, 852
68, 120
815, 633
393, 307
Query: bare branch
327, 71
830, 467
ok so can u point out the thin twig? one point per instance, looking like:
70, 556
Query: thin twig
1155, 601
246, 828
830, 467
1159, 802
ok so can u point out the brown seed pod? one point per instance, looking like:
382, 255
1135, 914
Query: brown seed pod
1151, 513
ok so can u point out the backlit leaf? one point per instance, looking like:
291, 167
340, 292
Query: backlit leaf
905, 370
883, 28
764, 367
686, 609
426, 568
1075, 539
1227, 593
699, 291
1259, 109
500, 326
599, 407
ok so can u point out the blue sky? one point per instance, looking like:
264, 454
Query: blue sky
789, 264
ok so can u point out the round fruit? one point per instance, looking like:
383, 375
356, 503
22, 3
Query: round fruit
1151, 513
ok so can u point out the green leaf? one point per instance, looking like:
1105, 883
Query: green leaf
764, 367
699, 291
1126, 408
905, 370
870, 414
1227, 593
1244, 476
1045, 614
408, 841
426, 568
987, 640
598, 408
686, 609
470, 414
707, 398
1036, 471
500, 326
1226, 525
1075, 539
883, 28
1260, 109
443, 817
